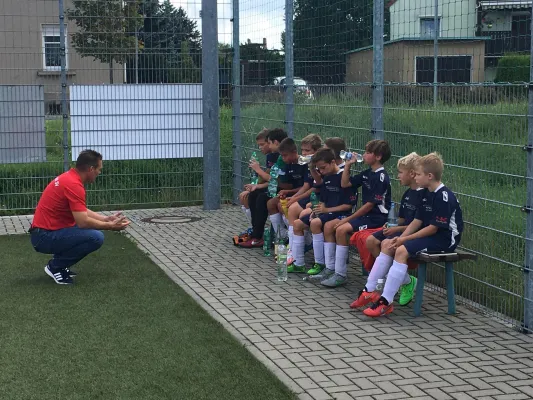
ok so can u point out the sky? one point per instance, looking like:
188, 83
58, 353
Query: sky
258, 19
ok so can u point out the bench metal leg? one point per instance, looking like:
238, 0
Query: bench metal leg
419, 296
450, 290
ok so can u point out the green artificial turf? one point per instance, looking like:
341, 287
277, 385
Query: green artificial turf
123, 331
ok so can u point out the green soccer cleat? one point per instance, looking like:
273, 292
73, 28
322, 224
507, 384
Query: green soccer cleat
407, 292
317, 269
293, 268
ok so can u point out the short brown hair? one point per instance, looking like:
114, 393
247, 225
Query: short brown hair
312, 140
408, 162
324, 154
379, 148
263, 135
288, 145
432, 164
87, 159
337, 144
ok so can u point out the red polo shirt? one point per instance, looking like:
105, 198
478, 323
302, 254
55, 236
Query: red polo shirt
61, 197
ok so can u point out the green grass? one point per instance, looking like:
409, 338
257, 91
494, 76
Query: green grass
123, 331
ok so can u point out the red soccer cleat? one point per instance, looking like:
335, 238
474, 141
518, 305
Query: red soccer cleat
382, 307
251, 243
364, 298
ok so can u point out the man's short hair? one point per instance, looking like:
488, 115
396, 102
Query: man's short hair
432, 164
262, 135
312, 140
324, 154
88, 159
408, 162
337, 144
288, 145
379, 148
277, 134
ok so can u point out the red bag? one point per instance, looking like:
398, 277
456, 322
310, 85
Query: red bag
358, 240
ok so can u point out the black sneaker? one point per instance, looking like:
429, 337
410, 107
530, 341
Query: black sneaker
70, 272
61, 277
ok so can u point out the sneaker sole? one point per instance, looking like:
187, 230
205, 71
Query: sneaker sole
49, 273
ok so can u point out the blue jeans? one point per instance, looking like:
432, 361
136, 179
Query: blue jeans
68, 245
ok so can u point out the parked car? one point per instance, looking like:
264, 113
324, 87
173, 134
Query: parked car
301, 86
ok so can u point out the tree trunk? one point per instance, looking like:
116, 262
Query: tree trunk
111, 72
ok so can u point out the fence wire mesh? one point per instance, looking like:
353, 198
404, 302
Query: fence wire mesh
472, 108
120, 76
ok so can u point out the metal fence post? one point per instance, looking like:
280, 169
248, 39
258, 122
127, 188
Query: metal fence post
64, 108
289, 67
210, 95
528, 262
436, 25
236, 106
377, 86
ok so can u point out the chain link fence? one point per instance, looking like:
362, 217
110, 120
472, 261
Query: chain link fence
123, 77
451, 76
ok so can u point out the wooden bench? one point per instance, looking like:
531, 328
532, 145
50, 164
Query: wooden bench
448, 259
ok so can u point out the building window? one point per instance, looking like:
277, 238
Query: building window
427, 27
51, 48
451, 69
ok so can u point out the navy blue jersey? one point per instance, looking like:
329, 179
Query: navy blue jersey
271, 159
332, 194
441, 209
295, 174
411, 202
375, 189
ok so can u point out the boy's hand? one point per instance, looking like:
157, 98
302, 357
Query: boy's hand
341, 222
255, 166
292, 200
320, 208
249, 187
353, 160
283, 193
391, 231
398, 242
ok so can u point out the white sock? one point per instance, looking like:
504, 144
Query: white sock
298, 250
329, 250
318, 248
276, 223
394, 280
248, 214
406, 279
285, 220
340, 260
379, 270
291, 235
308, 238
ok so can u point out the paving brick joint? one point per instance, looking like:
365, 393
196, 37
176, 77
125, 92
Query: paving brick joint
308, 336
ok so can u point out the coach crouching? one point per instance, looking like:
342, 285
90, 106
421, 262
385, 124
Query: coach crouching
63, 226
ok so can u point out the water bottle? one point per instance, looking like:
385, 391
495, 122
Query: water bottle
303, 160
282, 263
277, 242
314, 201
254, 178
267, 242
347, 156
380, 285
392, 220
273, 182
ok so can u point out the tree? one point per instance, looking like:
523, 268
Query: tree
105, 29
172, 45
324, 30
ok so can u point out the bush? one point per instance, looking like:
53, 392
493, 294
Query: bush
513, 68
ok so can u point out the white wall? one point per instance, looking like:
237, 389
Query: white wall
132, 122
458, 17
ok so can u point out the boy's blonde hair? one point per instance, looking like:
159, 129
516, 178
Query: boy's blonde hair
262, 135
432, 164
312, 140
409, 161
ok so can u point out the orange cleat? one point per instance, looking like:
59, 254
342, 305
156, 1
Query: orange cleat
382, 307
364, 298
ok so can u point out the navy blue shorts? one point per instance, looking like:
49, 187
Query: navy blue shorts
431, 244
323, 217
367, 222
381, 237
303, 202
